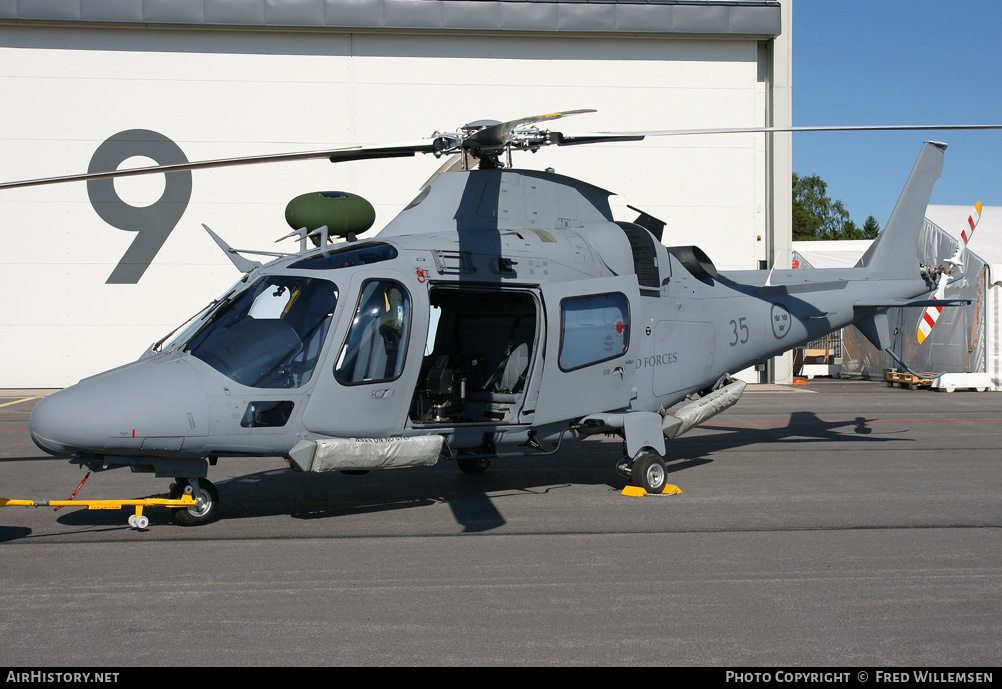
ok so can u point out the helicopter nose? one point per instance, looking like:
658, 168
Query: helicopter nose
44, 424
115, 411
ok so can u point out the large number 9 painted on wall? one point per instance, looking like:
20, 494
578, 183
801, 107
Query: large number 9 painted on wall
155, 222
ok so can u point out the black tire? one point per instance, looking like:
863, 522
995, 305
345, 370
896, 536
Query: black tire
196, 516
649, 473
473, 465
355, 472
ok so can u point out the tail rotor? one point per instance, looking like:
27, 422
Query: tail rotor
944, 274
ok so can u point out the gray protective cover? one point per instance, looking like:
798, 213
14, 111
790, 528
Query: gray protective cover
337, 454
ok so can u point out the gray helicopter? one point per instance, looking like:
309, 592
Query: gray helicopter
501, 313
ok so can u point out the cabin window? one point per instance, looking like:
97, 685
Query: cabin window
377, 339
593, 329
270, 335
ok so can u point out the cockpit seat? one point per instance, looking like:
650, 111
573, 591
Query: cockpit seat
509, 376
504, 387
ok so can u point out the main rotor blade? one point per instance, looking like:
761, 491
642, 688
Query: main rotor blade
335, 155
561, 139
779, 130
491, 136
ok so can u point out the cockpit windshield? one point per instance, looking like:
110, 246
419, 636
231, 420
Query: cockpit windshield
271, 335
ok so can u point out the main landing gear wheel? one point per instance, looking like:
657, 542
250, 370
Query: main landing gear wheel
207, 509
473, 465
649, 473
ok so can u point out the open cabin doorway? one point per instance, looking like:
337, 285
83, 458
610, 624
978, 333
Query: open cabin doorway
480, 352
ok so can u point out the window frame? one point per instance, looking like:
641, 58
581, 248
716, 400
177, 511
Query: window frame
405, 337
563, 330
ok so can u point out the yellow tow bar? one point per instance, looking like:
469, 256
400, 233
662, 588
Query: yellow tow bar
137, 520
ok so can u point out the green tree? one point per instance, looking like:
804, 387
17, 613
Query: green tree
818, 217
870, 228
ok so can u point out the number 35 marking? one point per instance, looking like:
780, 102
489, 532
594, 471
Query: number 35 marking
739, 331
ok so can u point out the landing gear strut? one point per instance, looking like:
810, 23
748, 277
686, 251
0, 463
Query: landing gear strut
207, 509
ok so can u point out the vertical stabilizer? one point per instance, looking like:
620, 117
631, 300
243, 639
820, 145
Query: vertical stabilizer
894, 254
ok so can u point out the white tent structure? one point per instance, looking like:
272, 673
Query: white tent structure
965, 339
829, 254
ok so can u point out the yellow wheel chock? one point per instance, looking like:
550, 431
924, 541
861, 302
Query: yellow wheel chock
637, 492
136, 521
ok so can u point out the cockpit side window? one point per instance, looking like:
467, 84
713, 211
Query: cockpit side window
377, 339
271, 335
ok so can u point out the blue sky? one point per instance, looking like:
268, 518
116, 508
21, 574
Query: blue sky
898, 62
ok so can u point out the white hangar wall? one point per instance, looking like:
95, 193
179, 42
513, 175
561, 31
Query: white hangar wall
219, 90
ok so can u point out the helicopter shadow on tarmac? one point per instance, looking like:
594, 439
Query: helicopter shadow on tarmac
471, 498
803, 427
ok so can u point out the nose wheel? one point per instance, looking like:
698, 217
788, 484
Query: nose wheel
206, 495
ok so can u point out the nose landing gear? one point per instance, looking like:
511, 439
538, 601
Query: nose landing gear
206, 496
